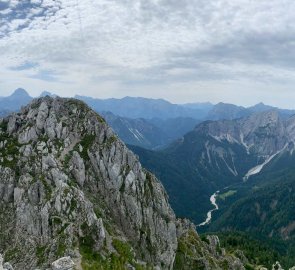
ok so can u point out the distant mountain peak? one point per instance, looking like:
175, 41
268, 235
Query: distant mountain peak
259, 107
20, 92
259, 104
46, 93
224, 104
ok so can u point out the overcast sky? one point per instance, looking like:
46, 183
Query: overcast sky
237, 51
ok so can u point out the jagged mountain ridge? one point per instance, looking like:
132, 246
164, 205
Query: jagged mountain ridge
148, 108
70, 187
226, 111
148, 123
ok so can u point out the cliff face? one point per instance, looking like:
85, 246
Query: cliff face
65, 177
262, 133
70, 187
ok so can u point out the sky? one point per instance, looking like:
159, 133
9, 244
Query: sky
236, 51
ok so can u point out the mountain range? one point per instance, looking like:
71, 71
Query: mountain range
20, 97
137, 107
149, 123
73, 196
243, 158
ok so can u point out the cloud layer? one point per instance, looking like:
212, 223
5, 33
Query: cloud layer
238, 51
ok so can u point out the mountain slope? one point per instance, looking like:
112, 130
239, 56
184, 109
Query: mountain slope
4, 113
137, 131
217, 154
175, 128
70, 187
226, 111
267, 205
263, 208
194, 169
149, 133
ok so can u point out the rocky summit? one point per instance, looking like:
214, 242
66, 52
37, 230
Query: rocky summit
72, 196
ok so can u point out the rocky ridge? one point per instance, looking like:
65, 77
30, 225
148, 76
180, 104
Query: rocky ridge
69, 188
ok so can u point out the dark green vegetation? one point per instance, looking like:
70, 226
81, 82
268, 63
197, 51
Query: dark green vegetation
92, 260
226, 194
264, 209
185, 254
192, 248
266, 205
258, 249
86, 142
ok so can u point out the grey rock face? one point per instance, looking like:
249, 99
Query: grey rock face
214, 244
277, 266
78, 168
64, 263
242, 147
5, 266
1, 262
42, 115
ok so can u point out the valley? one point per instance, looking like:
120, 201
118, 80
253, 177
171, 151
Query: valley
256, 153
224, 175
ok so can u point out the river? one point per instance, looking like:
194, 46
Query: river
209, 214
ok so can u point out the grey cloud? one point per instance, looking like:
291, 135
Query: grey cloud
46, 75
25, 66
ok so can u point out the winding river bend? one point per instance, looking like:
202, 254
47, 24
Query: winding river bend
209, 214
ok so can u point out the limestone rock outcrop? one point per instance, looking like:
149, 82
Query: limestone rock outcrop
66, 179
